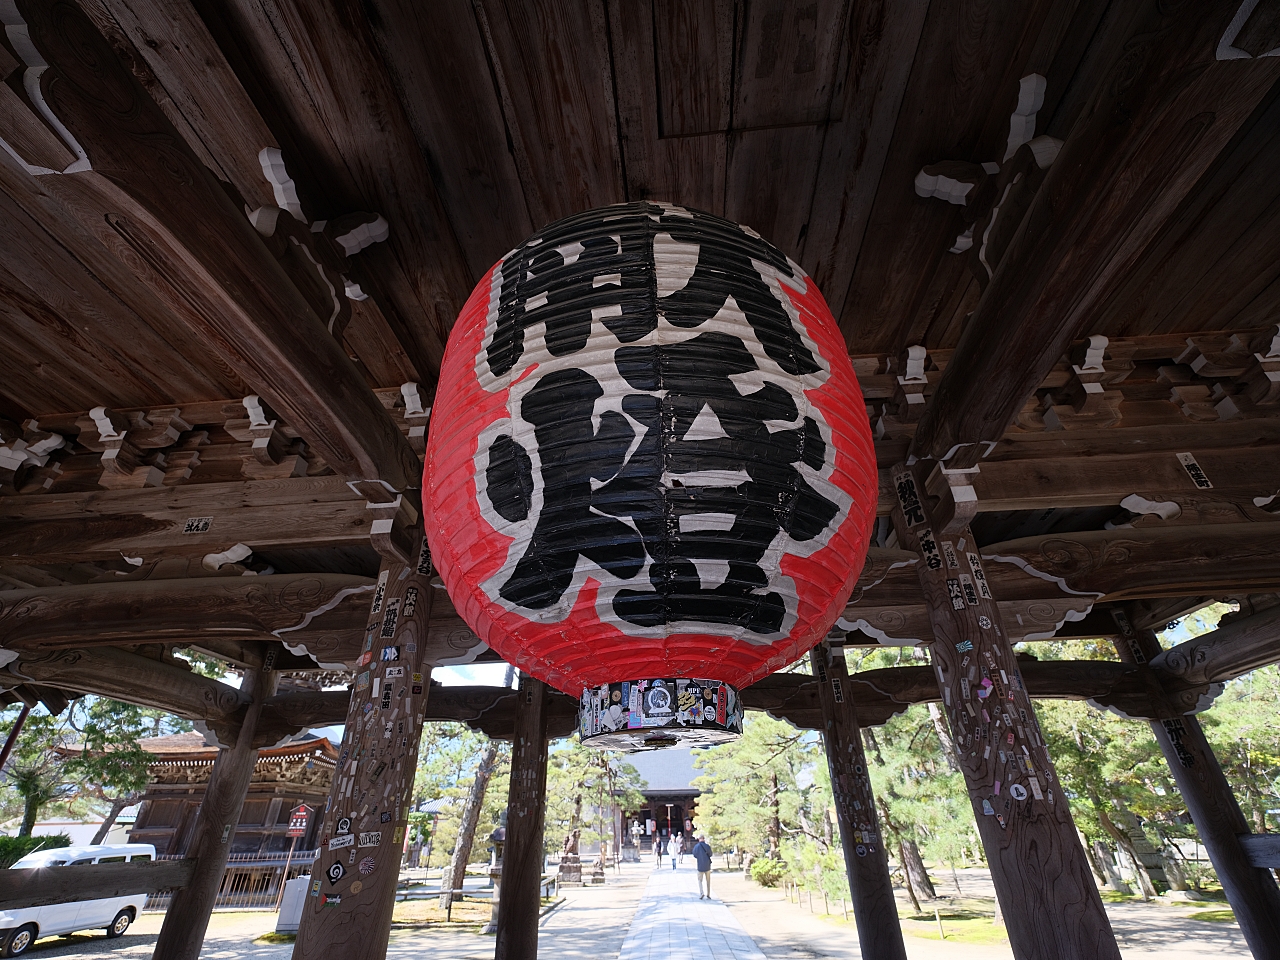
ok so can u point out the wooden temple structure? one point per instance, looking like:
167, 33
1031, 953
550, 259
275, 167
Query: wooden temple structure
236, 235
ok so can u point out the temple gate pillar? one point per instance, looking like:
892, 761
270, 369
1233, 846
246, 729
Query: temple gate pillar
347, 911
866, 861
522, 857
187, 919
1251, 891
1051, 905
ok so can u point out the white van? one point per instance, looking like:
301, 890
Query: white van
20, 928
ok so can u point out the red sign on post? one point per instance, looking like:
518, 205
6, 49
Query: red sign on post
299, 817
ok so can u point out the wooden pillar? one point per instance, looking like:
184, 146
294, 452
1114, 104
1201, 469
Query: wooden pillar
187, 918
1251, 891
347, 911
1051, 905
865, 859
522, 856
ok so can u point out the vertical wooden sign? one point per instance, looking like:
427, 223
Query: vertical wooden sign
1051, 905
348, 906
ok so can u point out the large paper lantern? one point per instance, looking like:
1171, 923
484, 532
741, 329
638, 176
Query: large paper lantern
650, 478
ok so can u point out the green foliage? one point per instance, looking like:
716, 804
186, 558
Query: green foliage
13, 849
448, 758
767, 873
762, 787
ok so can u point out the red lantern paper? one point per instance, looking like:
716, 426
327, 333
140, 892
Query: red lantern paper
649, 456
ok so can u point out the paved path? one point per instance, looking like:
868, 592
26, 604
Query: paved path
672, 922
643, 914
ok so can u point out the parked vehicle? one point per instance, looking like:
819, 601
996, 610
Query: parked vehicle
22, 927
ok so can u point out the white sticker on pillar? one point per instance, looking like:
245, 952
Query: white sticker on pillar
379, 592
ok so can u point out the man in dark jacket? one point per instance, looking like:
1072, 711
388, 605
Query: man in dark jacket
702, 854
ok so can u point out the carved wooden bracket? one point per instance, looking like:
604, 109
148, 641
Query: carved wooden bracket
958, 501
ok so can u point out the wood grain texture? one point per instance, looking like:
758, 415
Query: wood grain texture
314, 74
91, 881
1250, 889
187, 918
1262, 849
120, 675
363, 834
555, 74
866, 859
882, 44
166, 206
523, 856
696, 39
962, 86
1051, 905
1163, 111
304, 512
1234, 649
271, 607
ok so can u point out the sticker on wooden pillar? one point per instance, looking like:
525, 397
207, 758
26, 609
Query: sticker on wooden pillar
909, 499
379, 593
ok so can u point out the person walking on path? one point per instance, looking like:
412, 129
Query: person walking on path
677, 843
702, 854
659, 850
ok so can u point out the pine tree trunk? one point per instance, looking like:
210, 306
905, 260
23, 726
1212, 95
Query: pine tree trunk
110, 819
30, 813
456, 872
944, 736
775, 818
914, 866
906, 877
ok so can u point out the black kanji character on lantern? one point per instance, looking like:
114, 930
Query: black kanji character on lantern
700, 470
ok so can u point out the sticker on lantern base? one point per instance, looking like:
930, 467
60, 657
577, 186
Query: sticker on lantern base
639, 714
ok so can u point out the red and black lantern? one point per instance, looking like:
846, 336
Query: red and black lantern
650, 477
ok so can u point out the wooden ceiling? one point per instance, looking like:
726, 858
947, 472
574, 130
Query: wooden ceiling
467, 125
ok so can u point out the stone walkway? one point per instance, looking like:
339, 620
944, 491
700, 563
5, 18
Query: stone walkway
647, 914
673, 922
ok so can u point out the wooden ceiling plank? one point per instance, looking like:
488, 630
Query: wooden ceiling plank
685, 170
169, 210
194, 75
1161, 117
555, 60
441, 75
769, 182
884, 38
963, 85
314, 74
1192, 249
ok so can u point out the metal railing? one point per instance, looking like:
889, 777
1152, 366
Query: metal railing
251, 881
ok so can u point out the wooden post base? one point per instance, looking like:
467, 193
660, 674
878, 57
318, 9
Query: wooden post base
522, 855
866, 861
187, 918
1052, 908
1251, 891
347, 911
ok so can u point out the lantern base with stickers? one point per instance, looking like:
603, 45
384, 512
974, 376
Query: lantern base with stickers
662, 712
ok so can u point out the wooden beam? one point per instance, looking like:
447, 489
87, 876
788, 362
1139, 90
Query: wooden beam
91, 881
1219, 821
153, 201
491, 710
290, 607
1232, 650
866, 859
163, 522
1162, 110
1262, 849
348, 908
182, 934
523, 855
1046, 482
1050, 903
120, 675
